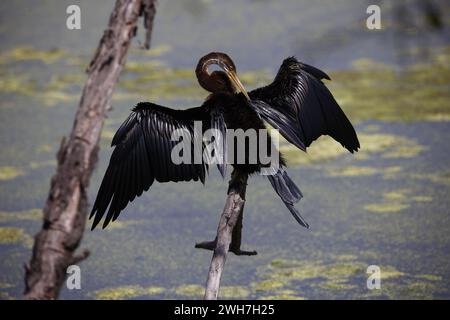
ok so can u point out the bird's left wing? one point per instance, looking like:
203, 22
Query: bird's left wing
300, 106
143, 153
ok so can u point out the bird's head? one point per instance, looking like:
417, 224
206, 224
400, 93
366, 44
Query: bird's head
219, 81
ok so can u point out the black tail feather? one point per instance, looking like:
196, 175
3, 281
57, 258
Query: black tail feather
289, 193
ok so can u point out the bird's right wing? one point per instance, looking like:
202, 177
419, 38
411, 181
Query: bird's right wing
143, 153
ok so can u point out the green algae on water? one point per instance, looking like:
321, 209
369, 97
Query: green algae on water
33, 215
325, 148
233, 292
386, 207
9, 173
396, 201
190, 290
12, 235
126, 292
26, 53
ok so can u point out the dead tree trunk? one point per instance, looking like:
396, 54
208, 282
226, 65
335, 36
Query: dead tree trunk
228, 234
66, 206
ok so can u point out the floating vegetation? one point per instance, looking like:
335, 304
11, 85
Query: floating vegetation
269, 285
107, 134
6, 296
371, 128
283, 295
33, 214
127, 292
337, 284
347, 275
440, 178
280, 275
27, 53
5, 285
414, 288
42, 164
395, 201
430, 277
386, 207
409, 149
370, 90
325, 148
14, 83
11, 235
44, 148
155, 51
364, 95
190, 290
388, 272
354, 171
9, 173
123, 224
233, 292
117, 224
53, 98
375, 91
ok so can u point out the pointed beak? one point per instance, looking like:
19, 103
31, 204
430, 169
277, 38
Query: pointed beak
234, 78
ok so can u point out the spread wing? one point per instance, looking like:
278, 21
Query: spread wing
142, 154
301, 107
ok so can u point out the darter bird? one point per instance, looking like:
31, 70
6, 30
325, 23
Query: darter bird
296, 103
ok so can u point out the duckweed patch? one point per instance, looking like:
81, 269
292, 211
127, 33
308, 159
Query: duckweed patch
12, 235
27, 53
348, 275
438, 177
361, 171
408, 150
269, 285
33, 214
430, 277
325, 148
418, 93
354, 171
283, 295
44, 148
386, 207
234, 292
6, 296
281, 275
4, 285
288, 279
415, 289
190, 290
396, 201
126, 292
42, 164
337, 284
107, 134
114, 225
388, 272
9, 173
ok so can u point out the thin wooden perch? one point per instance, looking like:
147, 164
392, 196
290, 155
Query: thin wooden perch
228, 234
66, 206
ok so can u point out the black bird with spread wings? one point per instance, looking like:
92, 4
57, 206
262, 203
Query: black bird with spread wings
297, 103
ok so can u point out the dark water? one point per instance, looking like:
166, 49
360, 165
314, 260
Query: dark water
387, 206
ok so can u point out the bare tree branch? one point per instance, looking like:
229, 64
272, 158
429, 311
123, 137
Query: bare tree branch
228, 234
66, 206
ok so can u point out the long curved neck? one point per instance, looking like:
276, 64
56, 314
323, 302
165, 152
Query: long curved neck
216, 81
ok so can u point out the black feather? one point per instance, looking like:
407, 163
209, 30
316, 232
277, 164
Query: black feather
143, 153
301, 107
